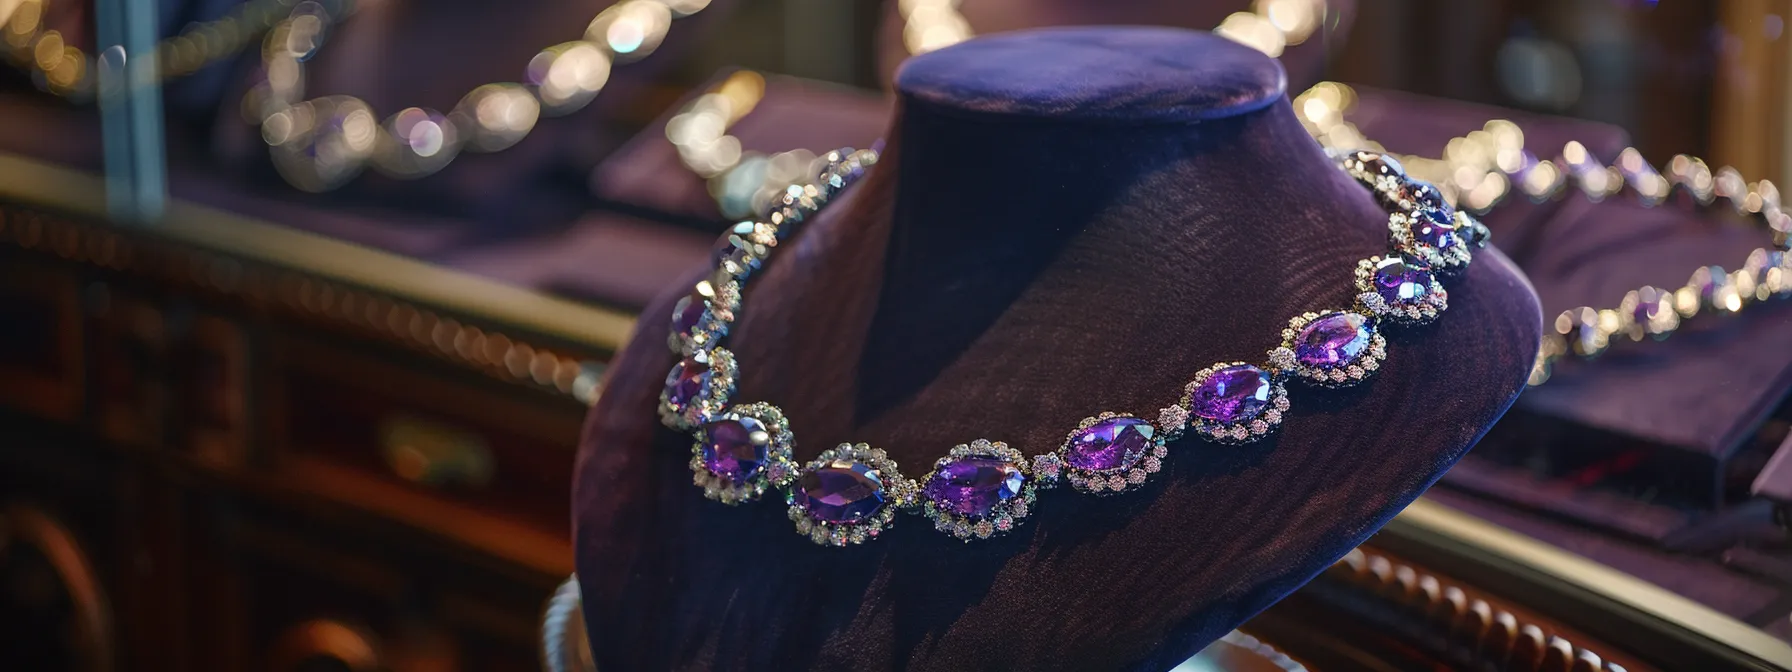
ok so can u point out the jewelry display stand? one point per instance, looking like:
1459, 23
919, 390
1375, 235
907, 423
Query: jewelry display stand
1064, 222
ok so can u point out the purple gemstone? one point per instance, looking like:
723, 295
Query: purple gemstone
735, 449
1436, 228
1232, 394
686, 382
973, 486
1402, 280
841, 491
1710, 281
1114, 443
1648, 305
1333, 339
688, 313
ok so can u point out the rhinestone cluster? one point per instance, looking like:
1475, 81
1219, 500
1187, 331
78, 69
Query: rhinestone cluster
853, 492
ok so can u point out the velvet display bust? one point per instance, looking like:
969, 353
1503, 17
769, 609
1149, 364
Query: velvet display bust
1064, 222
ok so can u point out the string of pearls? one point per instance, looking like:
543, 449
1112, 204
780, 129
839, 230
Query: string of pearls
322, 143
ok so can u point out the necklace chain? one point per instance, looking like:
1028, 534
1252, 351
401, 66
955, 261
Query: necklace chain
1482, 170
322, 143
851, 493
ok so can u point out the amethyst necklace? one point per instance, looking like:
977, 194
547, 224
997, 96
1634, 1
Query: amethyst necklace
853, 492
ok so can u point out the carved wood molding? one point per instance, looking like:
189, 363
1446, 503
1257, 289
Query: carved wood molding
1468, 624
497, 353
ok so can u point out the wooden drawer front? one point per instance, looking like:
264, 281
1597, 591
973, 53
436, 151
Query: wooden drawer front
210, 365
316, 596
40, 339
305, 607
434, 451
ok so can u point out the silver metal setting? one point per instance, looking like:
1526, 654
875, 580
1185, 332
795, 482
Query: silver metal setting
1004, 517
778, 469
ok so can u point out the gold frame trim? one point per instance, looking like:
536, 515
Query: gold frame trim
31, 182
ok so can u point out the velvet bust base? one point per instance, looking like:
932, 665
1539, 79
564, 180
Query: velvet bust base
1065, 222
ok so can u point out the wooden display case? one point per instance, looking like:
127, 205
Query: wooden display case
239, 447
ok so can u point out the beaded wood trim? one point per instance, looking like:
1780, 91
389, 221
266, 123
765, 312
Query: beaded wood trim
430, 332
1468, 623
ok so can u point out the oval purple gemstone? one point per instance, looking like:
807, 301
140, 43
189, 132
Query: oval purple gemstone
1114, 443
688, 313
1402, 279
735, 449
1436, 228
1333, 339
686, 382
973, 486
841, 491
1232, 394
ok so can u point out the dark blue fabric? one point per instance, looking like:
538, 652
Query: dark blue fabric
1065, 222
1125, 75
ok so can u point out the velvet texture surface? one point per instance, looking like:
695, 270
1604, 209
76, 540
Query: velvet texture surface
1064, 222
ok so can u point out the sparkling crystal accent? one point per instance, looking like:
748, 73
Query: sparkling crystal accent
1172, 418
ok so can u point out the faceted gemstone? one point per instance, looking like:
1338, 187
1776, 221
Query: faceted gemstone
1232, 394
973, 486
686, 382
688, 313
841, 491
1113, 443
735, 449
1402, 279
1333, 339
1435, 228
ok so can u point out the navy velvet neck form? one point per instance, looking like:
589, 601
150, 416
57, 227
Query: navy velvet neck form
1011, 146
1065, 222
